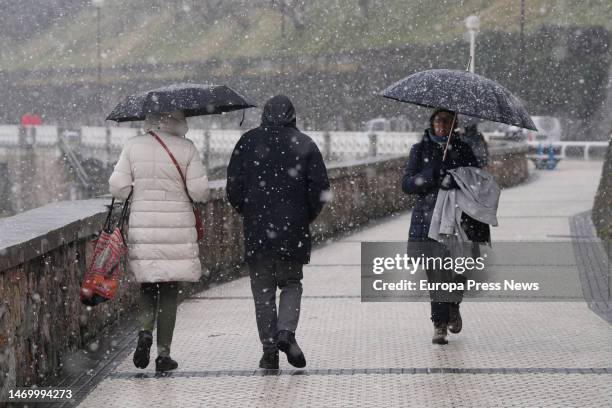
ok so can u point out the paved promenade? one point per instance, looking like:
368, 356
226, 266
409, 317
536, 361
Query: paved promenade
380, 354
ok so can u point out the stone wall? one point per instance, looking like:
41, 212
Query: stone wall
44, 253
602, 207
508, 163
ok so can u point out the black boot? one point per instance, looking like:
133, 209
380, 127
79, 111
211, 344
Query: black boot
440, 333
287, 344
269, 360
141, 355
454, 318
165, 363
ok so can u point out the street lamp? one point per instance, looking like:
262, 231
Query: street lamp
98, 5
473, 25
522, 38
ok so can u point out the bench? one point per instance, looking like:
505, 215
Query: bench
544, 161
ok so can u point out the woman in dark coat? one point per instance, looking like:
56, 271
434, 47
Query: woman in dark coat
424, 175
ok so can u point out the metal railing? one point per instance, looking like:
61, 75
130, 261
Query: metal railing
216, 145
562, 146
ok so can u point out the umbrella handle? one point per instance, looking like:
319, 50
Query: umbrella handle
449, 137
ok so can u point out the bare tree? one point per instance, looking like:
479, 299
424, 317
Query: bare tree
294, 10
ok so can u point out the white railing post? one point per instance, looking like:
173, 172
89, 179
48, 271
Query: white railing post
206, 150
108, 146
327, 146
373, 147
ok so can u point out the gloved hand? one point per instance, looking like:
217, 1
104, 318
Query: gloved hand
448, 183
443, 171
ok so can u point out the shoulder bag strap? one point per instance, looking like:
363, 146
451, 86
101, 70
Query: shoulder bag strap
161, 142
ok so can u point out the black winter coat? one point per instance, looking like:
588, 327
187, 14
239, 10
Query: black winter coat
277, 180
424, 173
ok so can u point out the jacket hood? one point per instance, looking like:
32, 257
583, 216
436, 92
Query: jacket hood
278, 111
173, 122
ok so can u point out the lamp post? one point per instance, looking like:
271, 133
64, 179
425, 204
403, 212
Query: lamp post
522, 39
98, 5
473, 25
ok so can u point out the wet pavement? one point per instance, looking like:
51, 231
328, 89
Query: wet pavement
380, 354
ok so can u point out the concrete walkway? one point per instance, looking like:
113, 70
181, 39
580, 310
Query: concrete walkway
379, 354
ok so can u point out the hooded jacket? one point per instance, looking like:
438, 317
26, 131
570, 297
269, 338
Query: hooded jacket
162, 239
277, 180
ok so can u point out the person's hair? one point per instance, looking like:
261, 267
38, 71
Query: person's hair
440, 110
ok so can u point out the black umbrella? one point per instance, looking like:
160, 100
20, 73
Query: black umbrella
461, 92
191, 99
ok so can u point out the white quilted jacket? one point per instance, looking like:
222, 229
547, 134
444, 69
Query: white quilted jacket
162, 239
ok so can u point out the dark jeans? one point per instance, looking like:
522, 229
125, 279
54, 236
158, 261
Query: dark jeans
158, 302
268, 273
441, 300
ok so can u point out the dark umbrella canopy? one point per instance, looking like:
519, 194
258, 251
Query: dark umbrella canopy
192, 99
462, 92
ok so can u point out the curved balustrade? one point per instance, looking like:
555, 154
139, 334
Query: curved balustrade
46, 135
93, 137
215, 146
9, 135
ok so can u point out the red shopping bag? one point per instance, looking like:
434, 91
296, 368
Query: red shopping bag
102, 276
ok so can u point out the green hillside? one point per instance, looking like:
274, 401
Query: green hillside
139, 31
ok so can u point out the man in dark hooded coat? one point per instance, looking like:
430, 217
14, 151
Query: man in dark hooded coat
277, 181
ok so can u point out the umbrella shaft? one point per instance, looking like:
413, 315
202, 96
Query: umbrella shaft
450, 134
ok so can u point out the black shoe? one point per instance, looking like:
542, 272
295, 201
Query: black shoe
287, 344
454, 318
440, 333
165, 364
141, 355
269, 360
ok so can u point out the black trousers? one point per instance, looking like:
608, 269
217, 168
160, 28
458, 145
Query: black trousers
157, 304
441, 300
267, 274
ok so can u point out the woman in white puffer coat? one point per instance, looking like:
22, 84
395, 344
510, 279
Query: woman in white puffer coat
162, 238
